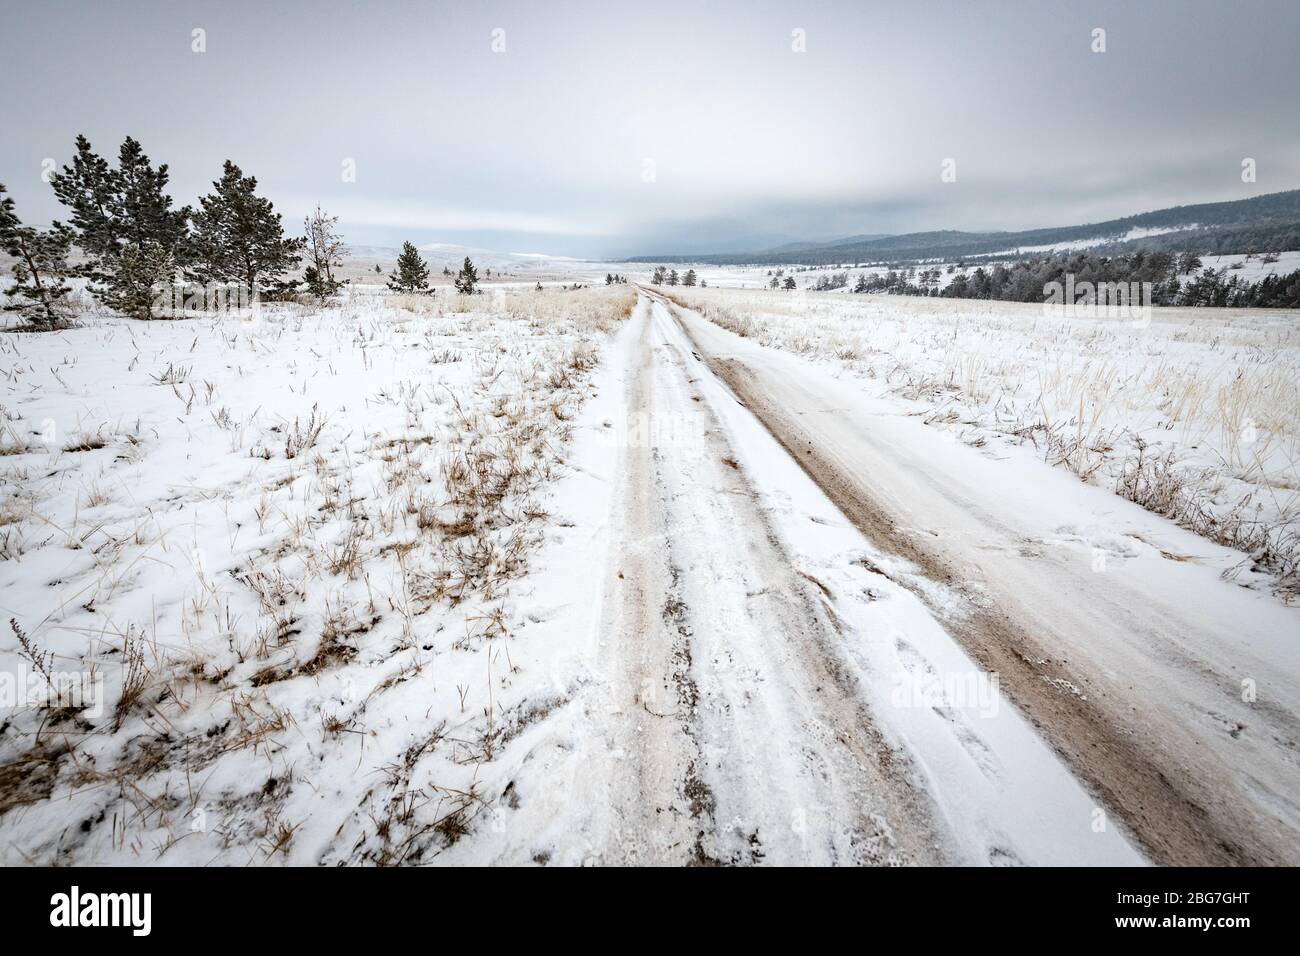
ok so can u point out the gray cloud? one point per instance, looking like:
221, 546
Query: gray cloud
541, 148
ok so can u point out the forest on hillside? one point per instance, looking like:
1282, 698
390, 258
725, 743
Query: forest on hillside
1178, 280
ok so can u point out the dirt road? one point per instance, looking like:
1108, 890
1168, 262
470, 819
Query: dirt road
743, 733
749, 651
1171, 693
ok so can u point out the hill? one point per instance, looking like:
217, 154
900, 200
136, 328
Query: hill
1268, 223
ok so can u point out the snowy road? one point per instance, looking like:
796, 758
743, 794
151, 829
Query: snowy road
1171, 692
765, 694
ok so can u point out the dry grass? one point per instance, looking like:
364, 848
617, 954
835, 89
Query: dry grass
357, 554
1192, 417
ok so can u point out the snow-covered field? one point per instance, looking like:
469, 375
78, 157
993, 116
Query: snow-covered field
282, 553
1192, 413
1166, 686
572, 576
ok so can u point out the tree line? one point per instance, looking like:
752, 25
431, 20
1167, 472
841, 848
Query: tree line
1176, 279
141, 255
664, 276
135, 243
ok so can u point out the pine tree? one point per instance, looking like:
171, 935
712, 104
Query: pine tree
466, 278
672, 277
316, 283
238, 236
789, 283
125, 224
146, 210
412, 273
144, 274
8, 218
659, 275
689, 278
88, 189
39, 293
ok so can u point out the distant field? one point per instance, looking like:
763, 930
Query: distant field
1193, 415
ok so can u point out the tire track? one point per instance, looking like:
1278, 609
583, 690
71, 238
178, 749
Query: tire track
1178, 815
730, 696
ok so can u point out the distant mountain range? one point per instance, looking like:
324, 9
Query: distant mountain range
1269, 223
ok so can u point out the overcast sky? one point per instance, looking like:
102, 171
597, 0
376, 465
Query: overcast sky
544, 147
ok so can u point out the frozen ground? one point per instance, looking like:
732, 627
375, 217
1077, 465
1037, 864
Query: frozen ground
517, 578
1191, 413
1129, 642
288, 547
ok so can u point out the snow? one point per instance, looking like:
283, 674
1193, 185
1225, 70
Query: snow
1214, 388
1254, 268
320, 638
1004, 795
1144, 620
516, 579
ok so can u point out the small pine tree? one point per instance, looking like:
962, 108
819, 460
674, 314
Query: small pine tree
39, 293
412, 273
317, 284
661, 273
238, 236
689, 278
789, 283
672, 277
143, 274
467, 278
